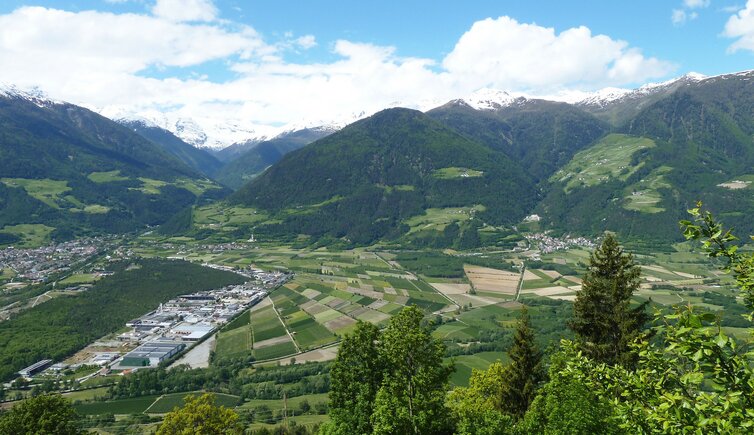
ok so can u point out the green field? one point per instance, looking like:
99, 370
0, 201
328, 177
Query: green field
32, 235
45, 190
644, 196
106, 177
123, 406
275, 351
438, 218
234, 343
168, 402
607, 159
151, 186
466, 363
453, 173
79, 278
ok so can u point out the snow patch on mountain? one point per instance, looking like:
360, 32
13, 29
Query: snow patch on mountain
200, 132
34, 95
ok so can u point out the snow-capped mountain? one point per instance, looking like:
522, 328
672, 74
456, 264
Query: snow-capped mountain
35, 95
607, 96
490, 99
214, 133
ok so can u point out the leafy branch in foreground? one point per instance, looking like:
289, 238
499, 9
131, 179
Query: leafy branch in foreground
719, 243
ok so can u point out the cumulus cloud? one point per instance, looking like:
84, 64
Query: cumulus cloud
146, 62
741, 27
185, 10
511, 55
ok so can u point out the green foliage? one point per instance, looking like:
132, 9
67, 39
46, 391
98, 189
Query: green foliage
717, 242
689, 378
603, 317
411, 398
478, 409
392, 382
355, 376
200, 416
61, 327
45, 414
566, 405
525, 372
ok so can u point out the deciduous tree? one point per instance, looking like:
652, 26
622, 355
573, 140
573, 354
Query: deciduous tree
411, 399
200, 416
45, 414
355, 377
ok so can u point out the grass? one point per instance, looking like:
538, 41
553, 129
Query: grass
275, 351
608, 158
293, 402
45, 190
453, 173
438, 218
80, 278
32, 235
168, 402
466, 363
106, 177
308, 333
151, 186
89, 394
233, 343
644, 196
123, 406
301, 420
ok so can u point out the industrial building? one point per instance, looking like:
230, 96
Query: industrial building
189, 332
152, 353
35, 368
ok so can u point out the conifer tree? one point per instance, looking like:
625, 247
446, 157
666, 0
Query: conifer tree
525, 372
603, 317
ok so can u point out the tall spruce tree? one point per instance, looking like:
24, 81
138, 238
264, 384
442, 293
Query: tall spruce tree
525, 372
602, 314
355, 377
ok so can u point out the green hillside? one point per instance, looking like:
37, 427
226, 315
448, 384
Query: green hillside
361, 183
198, 159
76, 172
251, 163
540, 135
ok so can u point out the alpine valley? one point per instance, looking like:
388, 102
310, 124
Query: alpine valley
490, 262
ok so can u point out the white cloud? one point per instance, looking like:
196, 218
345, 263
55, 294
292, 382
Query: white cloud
741, 27
108, 61
678, 16
306, 42
185, 10
696, 4
511, 55
687, 12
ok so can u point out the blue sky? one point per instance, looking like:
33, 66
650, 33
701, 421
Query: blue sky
279, 62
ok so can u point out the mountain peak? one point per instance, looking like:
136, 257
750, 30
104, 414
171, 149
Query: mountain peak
489, 99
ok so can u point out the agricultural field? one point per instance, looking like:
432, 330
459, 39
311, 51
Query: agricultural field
609, 158
453, 173
106, 177
48, 191
147, 404
437, 218
644, 196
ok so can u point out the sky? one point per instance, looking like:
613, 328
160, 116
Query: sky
276, 62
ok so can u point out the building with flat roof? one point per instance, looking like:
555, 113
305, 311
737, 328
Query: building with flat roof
192, 332
35, 368
152, 353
